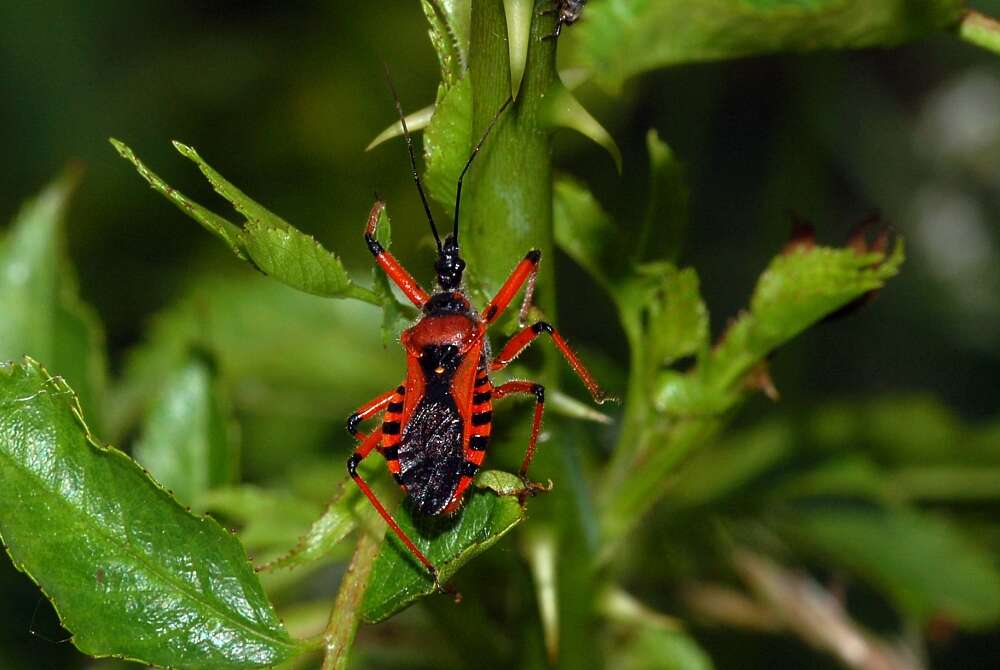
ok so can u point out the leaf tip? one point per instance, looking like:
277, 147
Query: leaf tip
185, 150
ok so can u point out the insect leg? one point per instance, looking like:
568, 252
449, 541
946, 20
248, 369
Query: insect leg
538, 391
524, 272
522, 339
352, 468
397, 273
368, 410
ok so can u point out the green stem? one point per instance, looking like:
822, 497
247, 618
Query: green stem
343, 625
508, 208
508, 199
980, 30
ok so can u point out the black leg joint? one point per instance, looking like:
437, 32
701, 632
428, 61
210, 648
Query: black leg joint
542, 327
534, 256
539, 392
490, 313
352, 423
352, 465
373, 245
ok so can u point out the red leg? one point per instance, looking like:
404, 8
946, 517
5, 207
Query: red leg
368, 410
524, 271
520, 342
538, 391
352, 468
397, 273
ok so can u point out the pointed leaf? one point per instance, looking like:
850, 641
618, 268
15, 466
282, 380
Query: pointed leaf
415, 122
676, 316
188, 442
225, 230
519, 16
129, 571
447, 142
667, 213
563, 109
252, 211
324, 534
450, 26
398, 579
617, 39
269, 242
586, 232
799, 287
42, 312
295, 259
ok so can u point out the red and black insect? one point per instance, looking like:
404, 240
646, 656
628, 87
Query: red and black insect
436, 424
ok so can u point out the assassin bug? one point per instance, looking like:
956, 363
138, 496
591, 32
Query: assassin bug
436, 424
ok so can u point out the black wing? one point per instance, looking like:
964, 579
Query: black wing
430, 453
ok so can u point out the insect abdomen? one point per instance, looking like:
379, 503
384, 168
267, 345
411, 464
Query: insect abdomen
430, 454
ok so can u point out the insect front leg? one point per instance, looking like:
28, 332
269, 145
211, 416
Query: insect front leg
368, 410
396, 272
359, 454
526, 336
524, 273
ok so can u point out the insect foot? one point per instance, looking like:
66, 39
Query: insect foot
531, 489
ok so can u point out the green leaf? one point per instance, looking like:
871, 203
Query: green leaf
42, 312
586, 233
266, 240
519, 15
926, 565
667, 212
447, 142
129, 571
324, 534
981, 30
799, 287
618, 39
415, 121
252, 211
296, 259
656, 649
449, 32
563, 109
188, 441
399, 579
270, 518
225, 230
218, 315
676, 316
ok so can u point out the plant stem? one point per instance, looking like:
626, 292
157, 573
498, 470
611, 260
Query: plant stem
509, 209
980, 30
343, 625
509, 203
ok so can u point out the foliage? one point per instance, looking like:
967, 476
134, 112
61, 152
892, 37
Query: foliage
227, 406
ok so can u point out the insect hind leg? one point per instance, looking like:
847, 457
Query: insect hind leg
352, 469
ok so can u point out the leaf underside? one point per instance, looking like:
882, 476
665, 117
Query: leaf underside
130, 572
398, 579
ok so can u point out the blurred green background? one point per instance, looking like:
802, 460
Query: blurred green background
282, 98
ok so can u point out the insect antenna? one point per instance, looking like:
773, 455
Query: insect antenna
468, 164
413, 160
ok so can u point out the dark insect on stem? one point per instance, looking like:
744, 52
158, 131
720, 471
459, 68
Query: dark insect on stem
567, 12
